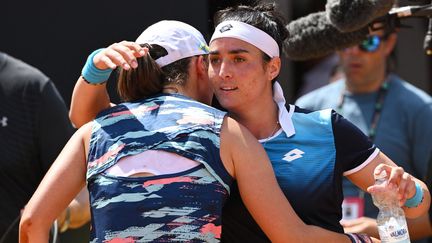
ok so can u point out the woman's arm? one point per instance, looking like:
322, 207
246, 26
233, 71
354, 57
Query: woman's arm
420, 227
247, 161
89, 99
61, 184
405, 183
77, 213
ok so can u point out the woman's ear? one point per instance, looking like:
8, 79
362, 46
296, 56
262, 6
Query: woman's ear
202, 67
273, 67
204, 89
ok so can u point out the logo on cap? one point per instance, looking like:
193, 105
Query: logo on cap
204, 48
226, 28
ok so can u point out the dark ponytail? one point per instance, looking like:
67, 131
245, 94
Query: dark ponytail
144, 81
148, 78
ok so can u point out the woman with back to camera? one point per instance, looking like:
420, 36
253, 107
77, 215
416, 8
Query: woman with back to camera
310, 151
160, 166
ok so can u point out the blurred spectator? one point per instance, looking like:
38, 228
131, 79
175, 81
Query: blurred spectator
321, 72
393, 113
34, 127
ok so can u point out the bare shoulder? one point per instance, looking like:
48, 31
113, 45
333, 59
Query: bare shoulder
227, 141
81, 137
236, 136
84, 132
234, 132
238, 145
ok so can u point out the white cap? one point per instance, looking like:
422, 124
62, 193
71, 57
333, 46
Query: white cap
179, 39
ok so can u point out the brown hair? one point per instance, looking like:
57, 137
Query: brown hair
148, 78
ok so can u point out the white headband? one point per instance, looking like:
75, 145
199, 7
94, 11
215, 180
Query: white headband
248, 33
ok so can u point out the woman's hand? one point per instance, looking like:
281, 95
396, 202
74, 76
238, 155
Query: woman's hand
397, 178
123, 54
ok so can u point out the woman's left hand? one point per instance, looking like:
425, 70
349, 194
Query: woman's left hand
397, 178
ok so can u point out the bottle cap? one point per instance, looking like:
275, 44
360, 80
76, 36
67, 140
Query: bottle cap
381, 175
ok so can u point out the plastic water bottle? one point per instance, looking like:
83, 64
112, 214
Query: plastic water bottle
392, 226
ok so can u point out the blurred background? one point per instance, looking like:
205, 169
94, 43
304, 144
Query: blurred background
57, 36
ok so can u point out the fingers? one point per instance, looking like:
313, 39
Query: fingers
406, 188
382, 167
351, 222
404, 183
123, 54
374, 240
396, 174
138, 51
356, 225
377, 189
103, 61
398, 178
362, 225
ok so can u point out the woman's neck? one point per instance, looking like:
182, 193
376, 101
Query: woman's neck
171, 89
261, 120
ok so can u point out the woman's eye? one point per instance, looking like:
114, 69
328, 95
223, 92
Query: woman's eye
239, 59
214, 60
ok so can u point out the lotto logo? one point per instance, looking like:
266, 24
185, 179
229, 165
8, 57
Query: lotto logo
293, 155
225, 28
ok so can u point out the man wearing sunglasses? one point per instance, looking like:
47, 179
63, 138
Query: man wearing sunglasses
393, 113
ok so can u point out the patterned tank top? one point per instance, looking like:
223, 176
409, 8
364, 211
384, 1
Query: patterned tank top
180, 207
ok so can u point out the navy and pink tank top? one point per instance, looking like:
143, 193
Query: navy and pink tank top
182, 206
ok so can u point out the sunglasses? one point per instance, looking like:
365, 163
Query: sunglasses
371, 43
